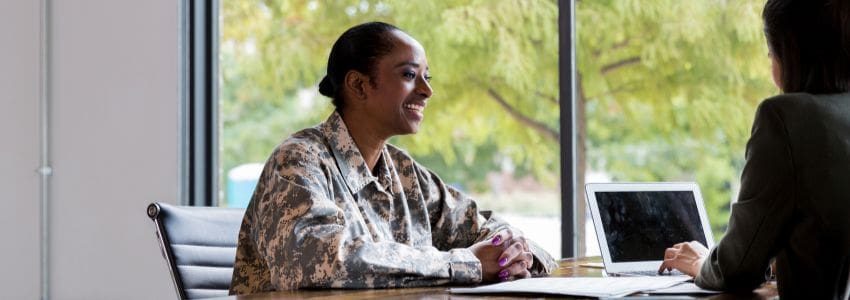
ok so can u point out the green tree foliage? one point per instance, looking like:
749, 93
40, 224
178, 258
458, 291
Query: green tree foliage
494, 66
667, 88
670, 89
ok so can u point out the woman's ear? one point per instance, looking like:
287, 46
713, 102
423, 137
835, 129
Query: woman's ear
356, 83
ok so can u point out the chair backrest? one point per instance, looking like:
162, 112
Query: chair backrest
199, 245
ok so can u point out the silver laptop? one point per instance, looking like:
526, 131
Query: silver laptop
636, 222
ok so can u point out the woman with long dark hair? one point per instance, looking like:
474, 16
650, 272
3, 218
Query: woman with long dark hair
794, 203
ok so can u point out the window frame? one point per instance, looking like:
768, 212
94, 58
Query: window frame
199, 172
198, 136
567, 89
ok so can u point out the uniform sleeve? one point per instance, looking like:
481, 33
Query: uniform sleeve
762, 212
456, 221
307, 241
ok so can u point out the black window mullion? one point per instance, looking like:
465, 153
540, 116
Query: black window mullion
201, 184
567, 71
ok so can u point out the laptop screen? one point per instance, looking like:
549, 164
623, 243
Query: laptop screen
639, 226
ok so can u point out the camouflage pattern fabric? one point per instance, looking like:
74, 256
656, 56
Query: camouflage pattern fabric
319, 219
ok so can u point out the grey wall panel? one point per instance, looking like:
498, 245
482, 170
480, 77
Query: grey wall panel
115, 97
19, 148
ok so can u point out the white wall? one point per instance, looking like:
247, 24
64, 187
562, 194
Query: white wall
19, 149
113, 86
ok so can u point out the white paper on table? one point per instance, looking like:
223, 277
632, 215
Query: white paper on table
578, 286
682, 288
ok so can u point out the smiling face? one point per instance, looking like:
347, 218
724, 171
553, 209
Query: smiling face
399, 90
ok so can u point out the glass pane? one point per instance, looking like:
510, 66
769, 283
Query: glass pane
491, 128
668, 91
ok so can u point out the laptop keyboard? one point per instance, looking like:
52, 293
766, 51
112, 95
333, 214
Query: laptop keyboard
652, 273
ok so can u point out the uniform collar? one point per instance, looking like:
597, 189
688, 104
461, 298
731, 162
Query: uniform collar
348, 158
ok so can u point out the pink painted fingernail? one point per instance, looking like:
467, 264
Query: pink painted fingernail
497, 240
503, 261
503, 274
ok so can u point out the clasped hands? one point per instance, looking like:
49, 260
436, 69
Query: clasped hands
503, 257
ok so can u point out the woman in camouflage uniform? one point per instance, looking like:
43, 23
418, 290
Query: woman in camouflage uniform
338, 207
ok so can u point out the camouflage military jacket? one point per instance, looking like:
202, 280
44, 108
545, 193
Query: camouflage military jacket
319, 218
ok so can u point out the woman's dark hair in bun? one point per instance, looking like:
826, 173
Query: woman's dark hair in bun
359, 48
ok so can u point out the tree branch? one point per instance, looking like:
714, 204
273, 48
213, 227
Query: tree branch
539, 127
547, 97
619, 64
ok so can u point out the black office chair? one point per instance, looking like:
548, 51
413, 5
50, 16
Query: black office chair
199, 245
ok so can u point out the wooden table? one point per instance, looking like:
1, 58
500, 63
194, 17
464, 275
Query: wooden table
569, 267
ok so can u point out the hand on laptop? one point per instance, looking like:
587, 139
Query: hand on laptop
685, 257
503, 257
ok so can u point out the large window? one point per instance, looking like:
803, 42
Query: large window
491, 128
668, 90
665, 90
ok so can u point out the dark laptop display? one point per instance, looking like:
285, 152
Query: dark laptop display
639, 226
